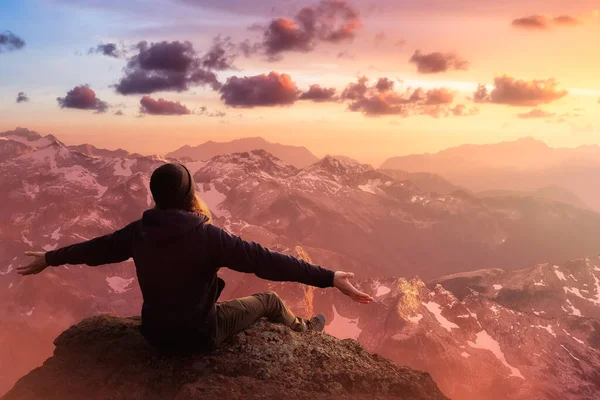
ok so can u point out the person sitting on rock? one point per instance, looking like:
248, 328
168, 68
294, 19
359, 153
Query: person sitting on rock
177, 253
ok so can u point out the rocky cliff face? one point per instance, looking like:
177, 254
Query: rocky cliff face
106, 357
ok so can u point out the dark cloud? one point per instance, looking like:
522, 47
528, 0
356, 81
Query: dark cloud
273, 89
319, 94
566, 20
108, 49
381, 99
165, 66
22, 97
536, 113
346, 54
329, 21
82, 98
221, 55
119, 113
515, 92
533, 22
437, 62
162, 107
384, 85
215, 114
248, 49
9, 42
541, 22
356, 90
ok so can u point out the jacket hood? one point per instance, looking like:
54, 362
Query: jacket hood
159, 225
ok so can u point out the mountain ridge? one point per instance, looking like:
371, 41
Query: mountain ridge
104, 357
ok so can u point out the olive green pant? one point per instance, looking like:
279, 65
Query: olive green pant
238, 314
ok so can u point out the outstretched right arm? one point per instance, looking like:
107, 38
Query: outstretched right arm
237, 254
233, 252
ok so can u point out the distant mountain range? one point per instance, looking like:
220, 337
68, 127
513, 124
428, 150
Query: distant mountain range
524, 165
343, 215
297, 156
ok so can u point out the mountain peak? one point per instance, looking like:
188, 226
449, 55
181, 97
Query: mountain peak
266, 361
299, 157
28, 137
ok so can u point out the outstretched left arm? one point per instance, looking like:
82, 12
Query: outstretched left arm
112, 248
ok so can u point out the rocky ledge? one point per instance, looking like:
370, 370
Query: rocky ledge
105, 357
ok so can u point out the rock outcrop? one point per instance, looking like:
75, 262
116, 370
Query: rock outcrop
105, 357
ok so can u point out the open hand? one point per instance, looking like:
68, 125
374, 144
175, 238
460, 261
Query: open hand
37, 265
341, 281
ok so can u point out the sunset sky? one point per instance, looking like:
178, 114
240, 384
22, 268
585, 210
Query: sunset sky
394, 77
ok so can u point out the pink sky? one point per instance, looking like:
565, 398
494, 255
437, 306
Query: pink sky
538, 60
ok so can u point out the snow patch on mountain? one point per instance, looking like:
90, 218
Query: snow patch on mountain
485, 342
574, 311
29, 242
119, 285
8, 270
56, 234
559, 274
574, 338
546, 328
31, 191
342, 327
576, 292
571, 354
436, 310
213, 199
382, 290
416, 318
371, 186
123, 167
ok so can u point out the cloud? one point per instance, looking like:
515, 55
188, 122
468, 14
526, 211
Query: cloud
22, 97
356, 91
542, 22
107, 49
515, 92
162, 107
273, 89
437, 62
165, 66
329, 21
319, 94
346, 54
10, 42
533, 22
379, 38
384, 85
221, 55
461, 110
82, 98
440, 96
566, 20
119, 113
216, 113
536, 113
381, 99
400, 43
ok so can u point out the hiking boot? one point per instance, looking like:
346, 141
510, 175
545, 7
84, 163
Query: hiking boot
316, 323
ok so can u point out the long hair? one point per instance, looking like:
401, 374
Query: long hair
196, 205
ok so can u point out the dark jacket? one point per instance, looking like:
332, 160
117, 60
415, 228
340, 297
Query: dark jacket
177, 255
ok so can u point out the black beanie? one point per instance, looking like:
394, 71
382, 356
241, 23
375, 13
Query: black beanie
172, 186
